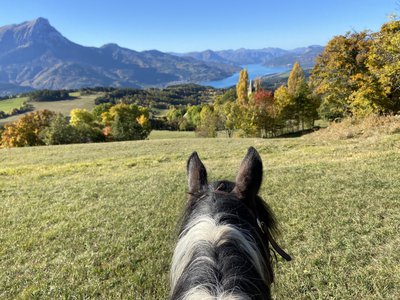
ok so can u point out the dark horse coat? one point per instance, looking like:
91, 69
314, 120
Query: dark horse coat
223, 248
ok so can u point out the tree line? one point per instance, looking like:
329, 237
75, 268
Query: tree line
356, 75
107, 122
252, 111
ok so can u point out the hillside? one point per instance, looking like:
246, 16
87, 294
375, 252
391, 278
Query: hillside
34, 54
99, 220
64, 106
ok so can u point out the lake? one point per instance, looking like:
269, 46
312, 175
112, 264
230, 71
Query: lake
254, 71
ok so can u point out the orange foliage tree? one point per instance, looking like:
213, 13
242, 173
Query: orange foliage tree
26, 130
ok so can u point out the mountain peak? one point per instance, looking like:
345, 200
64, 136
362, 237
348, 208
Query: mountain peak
37, 25
41, 21
112, 46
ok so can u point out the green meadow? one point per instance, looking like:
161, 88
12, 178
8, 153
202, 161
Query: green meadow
62, 106
99, 220
8, 105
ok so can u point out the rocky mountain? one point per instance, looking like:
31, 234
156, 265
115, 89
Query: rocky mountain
270, 57
34, 54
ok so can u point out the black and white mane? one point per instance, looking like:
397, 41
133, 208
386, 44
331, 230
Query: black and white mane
223, 247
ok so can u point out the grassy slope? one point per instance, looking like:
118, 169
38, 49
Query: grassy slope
9, 104
98, 220
64, 107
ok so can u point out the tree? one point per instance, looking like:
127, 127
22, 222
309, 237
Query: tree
242, 88
248, 119
59, 132
384, 64
266, 112
208, 122
87, 130
124, 128
305, 106
98, 110
295, 105
127, 122
175, 117
49, 95
26, 130
229, 116
192, 116
81, 116
335, 76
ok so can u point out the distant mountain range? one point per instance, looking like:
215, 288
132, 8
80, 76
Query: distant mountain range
270, 57
34, 55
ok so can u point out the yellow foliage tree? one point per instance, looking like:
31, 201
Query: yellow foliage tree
384, 64
242, 88
26, 130
81, 116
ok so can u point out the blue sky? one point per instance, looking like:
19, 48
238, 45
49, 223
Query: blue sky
186, 25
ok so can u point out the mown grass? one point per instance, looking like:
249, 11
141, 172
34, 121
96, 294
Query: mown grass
63, 106
99, 220
166, 134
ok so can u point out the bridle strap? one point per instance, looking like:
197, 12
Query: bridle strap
277, 248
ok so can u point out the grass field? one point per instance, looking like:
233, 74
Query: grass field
98, 220
64, 106
166, 134
9, 104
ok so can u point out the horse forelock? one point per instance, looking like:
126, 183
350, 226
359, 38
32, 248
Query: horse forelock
220, 253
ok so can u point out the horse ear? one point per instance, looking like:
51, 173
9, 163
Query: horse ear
249, 177
197, 174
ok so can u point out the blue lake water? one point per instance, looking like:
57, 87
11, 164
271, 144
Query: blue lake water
254, 71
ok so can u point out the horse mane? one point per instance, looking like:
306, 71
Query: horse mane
223, 250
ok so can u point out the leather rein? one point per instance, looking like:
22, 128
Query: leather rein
268, 236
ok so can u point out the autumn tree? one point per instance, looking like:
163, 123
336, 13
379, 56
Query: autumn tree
229, 115
294, 103
384, 65
127, 122
86, 128
26, 130
99, 109
304, 105
242, 88
338, 73
209, 122
266, 112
